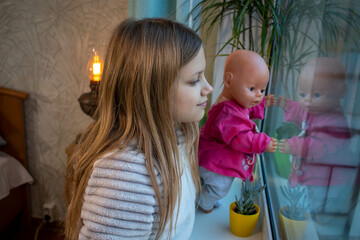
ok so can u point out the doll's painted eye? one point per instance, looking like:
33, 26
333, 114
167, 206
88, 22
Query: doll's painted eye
317, 95
302, 95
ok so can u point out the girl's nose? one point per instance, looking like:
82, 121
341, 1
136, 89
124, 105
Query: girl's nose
207, 88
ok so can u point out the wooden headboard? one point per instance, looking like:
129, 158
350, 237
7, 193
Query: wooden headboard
12, 123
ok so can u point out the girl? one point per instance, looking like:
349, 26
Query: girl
134, 174
229, 141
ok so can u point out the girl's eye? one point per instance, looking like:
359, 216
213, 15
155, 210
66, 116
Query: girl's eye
317, 95
193, 83
262, 91
302, 95
252, 89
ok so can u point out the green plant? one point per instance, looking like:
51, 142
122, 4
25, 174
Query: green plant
245, 204
248, 17
297, 202
282, 162
203, 120
287, 130
286, 33
311, 29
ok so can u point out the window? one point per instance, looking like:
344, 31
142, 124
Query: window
316, 178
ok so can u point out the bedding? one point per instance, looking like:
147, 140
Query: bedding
12, 174
14, 194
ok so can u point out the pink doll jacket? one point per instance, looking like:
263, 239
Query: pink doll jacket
321, 156
229, 141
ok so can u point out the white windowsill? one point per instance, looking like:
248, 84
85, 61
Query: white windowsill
215, 225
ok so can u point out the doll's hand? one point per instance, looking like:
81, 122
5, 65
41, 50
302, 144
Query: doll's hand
284, 146
271, 147
281, 102
269, 100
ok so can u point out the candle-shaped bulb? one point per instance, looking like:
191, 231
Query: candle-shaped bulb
95, 67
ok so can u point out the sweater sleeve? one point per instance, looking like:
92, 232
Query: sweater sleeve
328, 135
119, 201
294, 113
257, 112
250, 142
308, 147
241, 135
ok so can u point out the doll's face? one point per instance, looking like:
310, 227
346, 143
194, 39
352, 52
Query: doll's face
318, 94
248, 87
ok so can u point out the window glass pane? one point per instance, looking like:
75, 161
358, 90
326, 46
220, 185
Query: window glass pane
314, 180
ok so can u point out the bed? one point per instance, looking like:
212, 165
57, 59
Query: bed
14, 178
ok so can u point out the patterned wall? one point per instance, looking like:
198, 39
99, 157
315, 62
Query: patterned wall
44, 47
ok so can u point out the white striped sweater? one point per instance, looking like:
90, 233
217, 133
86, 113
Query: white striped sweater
120, 203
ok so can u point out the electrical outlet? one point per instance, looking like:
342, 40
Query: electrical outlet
49, 211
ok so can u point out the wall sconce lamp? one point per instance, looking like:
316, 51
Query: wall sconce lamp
89, 101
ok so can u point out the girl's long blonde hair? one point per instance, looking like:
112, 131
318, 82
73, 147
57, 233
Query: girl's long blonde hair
142, 61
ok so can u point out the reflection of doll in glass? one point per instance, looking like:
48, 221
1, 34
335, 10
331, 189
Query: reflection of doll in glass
229, 141
320, 153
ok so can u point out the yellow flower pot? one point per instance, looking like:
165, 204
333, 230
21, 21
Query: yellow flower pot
292, 229
242, 225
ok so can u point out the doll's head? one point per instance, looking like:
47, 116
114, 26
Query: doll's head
246, 76
321, 85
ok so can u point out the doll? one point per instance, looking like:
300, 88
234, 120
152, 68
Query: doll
320, 154
229, 140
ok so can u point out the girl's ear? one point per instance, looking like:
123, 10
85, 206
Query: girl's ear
228, 76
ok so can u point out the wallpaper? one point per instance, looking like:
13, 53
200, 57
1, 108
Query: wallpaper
44, 47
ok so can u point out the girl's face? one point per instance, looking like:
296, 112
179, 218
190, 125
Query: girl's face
190, 91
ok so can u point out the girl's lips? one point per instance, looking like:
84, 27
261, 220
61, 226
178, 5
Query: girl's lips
202, 104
